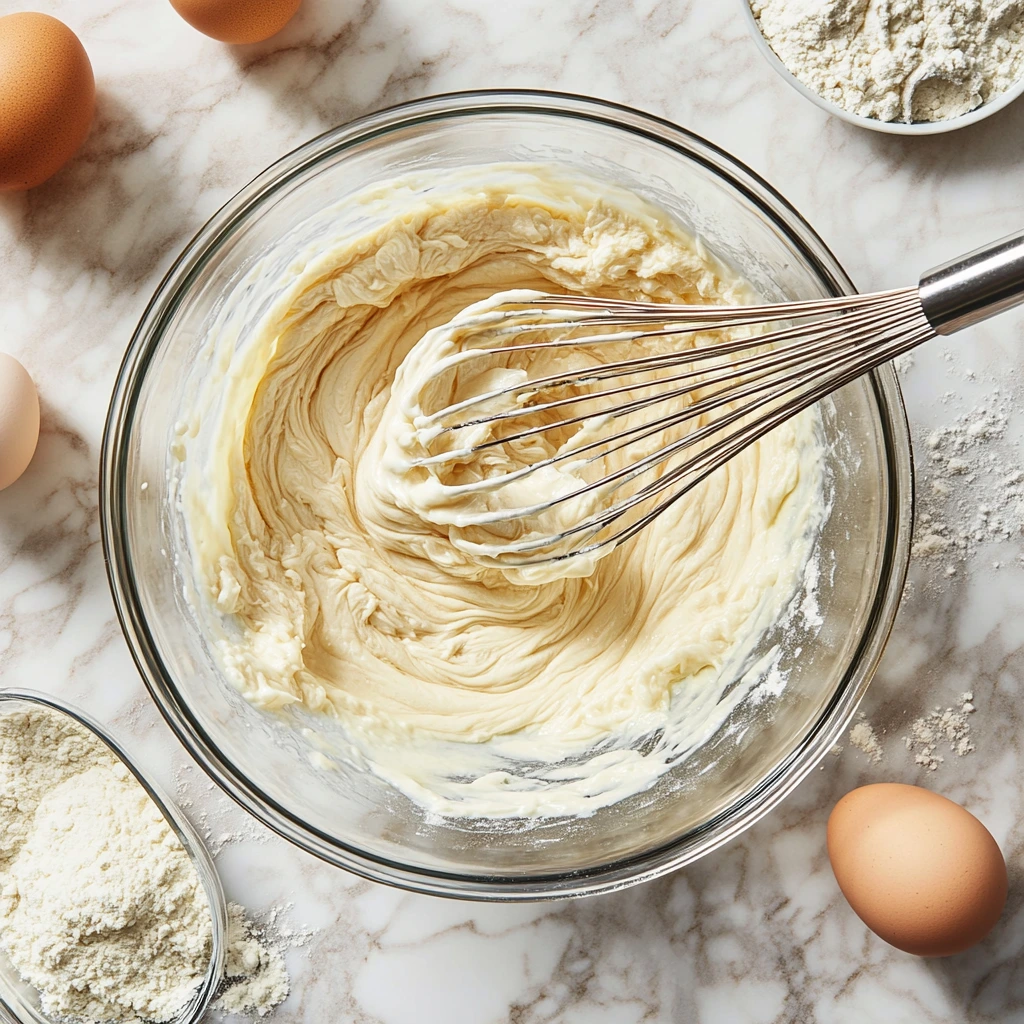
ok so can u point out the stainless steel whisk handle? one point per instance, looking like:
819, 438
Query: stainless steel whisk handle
974, 287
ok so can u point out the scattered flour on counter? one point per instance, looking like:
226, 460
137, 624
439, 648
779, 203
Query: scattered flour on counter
925, 735
257, 978
972, 488
899, 60
864, 738
219, 822
101, 909
949, 724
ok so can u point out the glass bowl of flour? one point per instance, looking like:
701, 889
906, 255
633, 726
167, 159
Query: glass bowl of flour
112, 908
282, 706
920, 68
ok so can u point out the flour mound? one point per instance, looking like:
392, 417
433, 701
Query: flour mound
101, 909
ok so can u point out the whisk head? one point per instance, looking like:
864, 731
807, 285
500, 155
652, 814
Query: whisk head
549, 428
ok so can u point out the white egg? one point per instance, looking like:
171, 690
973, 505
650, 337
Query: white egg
19, 420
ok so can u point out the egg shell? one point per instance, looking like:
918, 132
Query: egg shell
237, 21
19, 419
920, 871
47, 98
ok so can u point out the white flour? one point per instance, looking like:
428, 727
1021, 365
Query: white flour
864, 738
949, 724
899, 60
972, 485
925, 735
256, 976
101, 909
218, 820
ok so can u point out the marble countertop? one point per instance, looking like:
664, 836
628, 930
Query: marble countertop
756, 933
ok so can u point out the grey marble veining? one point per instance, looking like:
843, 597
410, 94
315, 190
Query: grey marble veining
756, 933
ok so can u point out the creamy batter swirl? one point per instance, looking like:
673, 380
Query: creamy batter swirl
334, 593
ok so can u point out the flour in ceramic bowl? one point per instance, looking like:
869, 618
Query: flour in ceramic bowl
899, 60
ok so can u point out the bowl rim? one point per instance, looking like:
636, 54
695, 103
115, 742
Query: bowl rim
12, 1006
788, 772
919, 128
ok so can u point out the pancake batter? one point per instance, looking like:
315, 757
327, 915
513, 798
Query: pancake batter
334, 593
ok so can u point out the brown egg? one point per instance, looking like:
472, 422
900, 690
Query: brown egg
920, 871
237, 21
47, 98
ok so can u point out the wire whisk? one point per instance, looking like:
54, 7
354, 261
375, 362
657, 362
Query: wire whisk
571, 461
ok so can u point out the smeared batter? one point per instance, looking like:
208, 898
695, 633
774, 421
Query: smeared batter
334, 593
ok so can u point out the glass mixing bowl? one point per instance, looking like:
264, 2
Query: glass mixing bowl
349, 817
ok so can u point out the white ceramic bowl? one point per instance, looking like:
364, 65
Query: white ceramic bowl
993, 106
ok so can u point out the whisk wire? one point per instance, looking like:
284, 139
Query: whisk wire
696, 355
734, 390
697, 471
813, 340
